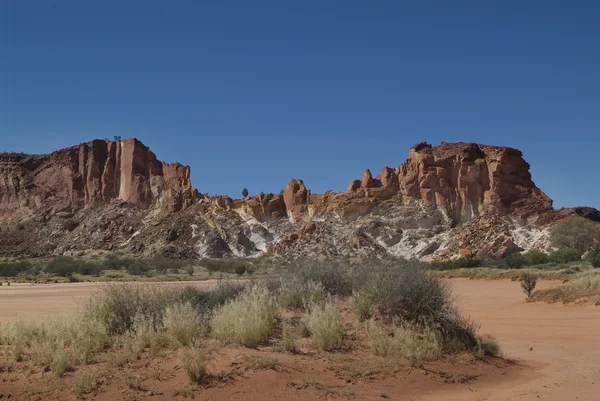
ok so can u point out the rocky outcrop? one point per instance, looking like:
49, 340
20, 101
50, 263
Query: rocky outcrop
466, 180
452, 200
91, 174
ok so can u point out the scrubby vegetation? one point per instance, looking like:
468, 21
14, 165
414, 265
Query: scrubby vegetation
587, 286
528, 283
399, 309
576, 233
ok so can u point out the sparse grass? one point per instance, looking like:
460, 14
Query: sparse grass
416, 344
134, 382
258, 362
325, 326
194, 363
60, 362
573, 290
86, 381
246, 320
551, 271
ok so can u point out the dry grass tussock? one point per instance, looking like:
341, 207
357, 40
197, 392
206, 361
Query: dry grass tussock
573, 290
246, 320
325, 325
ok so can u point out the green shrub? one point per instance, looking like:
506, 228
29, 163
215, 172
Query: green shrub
324, 324
515, 260
239, 269
594, 256
13, 269
534, 257
565, 255
246, 320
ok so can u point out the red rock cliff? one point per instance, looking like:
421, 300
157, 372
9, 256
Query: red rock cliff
89, 174
466, 180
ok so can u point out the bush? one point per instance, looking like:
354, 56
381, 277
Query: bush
335, 278
182, 324
528, 283
577, 233
290, 333
534, 257
246, 320
239, 269
13, 269
487, 346
565, 255
410, 342
515, 260
296, 293
324, 324
194, 363
117, 307
594, 256
362, 304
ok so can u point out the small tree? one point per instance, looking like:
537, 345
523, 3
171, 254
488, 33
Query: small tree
528, 283
578, 233
245, 192
565, 255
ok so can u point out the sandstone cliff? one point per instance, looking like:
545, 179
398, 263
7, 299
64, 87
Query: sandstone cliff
90, 174
442, 202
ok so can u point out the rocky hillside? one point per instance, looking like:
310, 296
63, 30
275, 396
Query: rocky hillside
442, 202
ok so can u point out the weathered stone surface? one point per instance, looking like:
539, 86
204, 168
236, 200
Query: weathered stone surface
443, 202
91, 174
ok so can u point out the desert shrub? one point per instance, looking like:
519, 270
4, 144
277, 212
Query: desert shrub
137, 268
13, 269
324, 324
565, 255
224, 265
534, 257
582, 287
223, 292
194, 363
290, 334
594, 256
362, 305
246, 320
60, 362
90, 269
487, 346
410, 342
333, 275
577, 233
258, 362
515, 260
119, 304
182, 324
294, 292
62, 266
86, 381
463, 262
528, 283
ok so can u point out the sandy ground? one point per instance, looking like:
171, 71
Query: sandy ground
556, 347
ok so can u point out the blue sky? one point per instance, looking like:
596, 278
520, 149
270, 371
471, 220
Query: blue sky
253, 93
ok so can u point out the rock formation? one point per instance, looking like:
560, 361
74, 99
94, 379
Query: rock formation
460, 199
91, 174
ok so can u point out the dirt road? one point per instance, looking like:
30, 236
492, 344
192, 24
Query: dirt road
559, 344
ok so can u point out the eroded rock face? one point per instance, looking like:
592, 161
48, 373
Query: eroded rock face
91, 174
443, 202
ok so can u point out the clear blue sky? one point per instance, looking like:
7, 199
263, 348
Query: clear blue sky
253, 93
